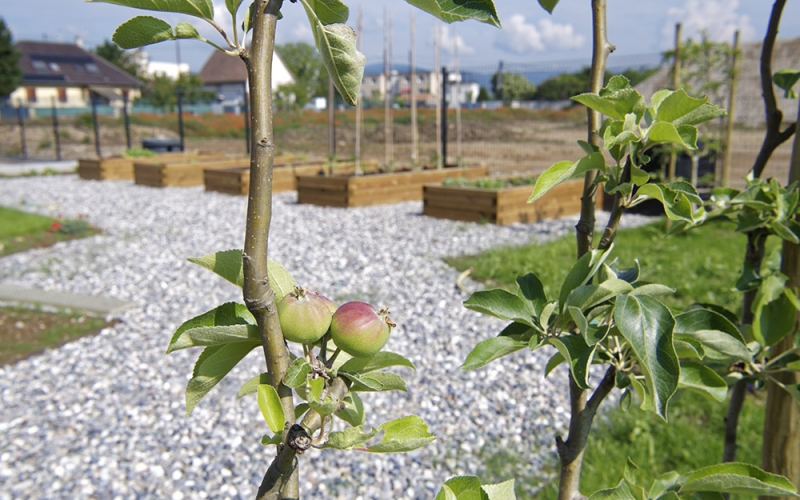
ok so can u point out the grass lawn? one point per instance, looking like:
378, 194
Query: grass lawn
27, 331
702, 265
20, 231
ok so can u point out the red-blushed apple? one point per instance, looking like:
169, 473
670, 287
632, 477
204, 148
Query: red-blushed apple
359, 329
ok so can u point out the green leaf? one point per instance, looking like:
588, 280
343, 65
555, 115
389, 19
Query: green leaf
461, 488
280, 281
488, 350
715, 332
227, 314
775, 315
564, 171
648, 325
578, 355
580, 321
676, 204
532, 290
587, 296
701, 378
233, 6
297, 374
663, 483
501, 304
737, 478
330, 11
377, 382
251, 386
583, 270
349, 438
268, 440
141, 31
683, 135
620, 492
785, 79
270, 404
213, 364
651, 289
336, 44
403, 434
553, 362
614, 103
353, 411
458, 10
548, 5
500, 491
676, 105
186, 30
227, 264
383, 359
220, 335
203, 9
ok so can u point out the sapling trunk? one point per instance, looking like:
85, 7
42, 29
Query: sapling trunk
583, 407
258, 296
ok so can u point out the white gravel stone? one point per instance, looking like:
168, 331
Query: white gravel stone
105, 414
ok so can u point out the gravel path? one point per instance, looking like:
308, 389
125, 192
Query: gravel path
103, 417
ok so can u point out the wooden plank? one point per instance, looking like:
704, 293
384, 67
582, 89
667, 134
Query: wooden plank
463, 215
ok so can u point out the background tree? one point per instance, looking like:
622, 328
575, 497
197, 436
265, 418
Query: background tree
305, 63
483, 94
162, 91
10, 71
123, 59
513, 87
562, 87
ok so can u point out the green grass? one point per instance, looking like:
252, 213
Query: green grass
20, 231
702, 265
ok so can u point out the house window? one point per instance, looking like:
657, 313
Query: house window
54, 67
92, 68
62, 95
39, 66
31, 91
79, 68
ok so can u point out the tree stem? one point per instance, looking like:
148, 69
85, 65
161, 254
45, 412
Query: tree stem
738, 394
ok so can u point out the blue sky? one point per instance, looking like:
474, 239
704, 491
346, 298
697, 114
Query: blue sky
529, 34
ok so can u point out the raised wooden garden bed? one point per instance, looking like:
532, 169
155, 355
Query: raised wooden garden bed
185, 173
376, 189
121, 168
504, 205
237, 180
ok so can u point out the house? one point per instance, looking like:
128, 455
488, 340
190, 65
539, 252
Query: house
749, 105
374, 85
226, 76
67, 76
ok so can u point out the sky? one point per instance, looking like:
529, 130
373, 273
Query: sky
529, 34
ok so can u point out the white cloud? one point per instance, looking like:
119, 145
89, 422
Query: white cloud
451, 39
718, 17
521, 37
302, 31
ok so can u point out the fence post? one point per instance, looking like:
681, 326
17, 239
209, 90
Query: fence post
444, 117
23, 143
95, 123
126, 118
499, 83
57, 140
180, 115
726, 161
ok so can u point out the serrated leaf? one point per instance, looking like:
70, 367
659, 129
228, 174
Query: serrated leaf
683, 135
461, 488
664, 483
616, 103
353, 411
251, 386
349, 438
271, 408
220, 335
583, 270
330, 11
578, 355
297, 374
703, 379
531, 289
457, 10
500, 491
555, 360
564, 171
324, 408
336, 43
620, 492
715, 332
186, 30
648, 326
676, 204
587, 296
501, 304
488, 350
228, 265
403, 434
376, 382
203, 9
676, 105
580, 320
268, 440
227, 314
652, 290
142, 30
737, 478
378, 361
213, 364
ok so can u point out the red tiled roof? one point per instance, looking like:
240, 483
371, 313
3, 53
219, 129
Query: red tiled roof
67, 65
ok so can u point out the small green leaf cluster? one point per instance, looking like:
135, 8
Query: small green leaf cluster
630, 130
229, 332
708, 483
785, 79
605, 315
470, 487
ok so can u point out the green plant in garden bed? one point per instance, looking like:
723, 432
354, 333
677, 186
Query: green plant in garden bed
139, 153
20, 231
490, 182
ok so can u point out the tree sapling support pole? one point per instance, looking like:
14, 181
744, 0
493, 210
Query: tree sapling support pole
56, 139
96, 124
676, 82
126, 117
443, 163
726, 161
23, 142
180, 116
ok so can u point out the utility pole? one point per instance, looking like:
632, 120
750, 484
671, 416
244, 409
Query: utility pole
387, 92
